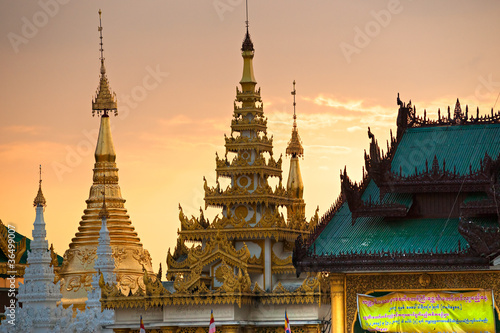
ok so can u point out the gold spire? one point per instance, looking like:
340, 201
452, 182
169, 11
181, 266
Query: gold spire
105, 200
39, 199
248, 81
105, 150
294, 145
104, 100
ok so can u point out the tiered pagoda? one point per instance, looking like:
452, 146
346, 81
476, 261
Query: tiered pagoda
425, 216
130, 258
240, 264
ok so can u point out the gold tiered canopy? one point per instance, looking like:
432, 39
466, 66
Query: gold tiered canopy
129, 255
243, 258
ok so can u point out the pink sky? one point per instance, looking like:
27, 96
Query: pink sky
349, 58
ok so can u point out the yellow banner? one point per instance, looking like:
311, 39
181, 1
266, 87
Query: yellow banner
439, 312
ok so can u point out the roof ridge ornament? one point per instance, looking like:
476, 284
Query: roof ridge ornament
105, 100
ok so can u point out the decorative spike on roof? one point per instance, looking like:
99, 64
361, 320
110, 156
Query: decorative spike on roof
105, 99
294, 145
458, 110
39, 199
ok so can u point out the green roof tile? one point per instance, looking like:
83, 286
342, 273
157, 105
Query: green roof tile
459, 146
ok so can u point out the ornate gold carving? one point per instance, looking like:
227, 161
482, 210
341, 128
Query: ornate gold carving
424, 279
79, 281
280, 265
153, 287
142, 256
368, 283
86, 257
279, 289
257, 289
119, 254
233, 283
193, 223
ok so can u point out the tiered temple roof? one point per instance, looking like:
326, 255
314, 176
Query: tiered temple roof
429, 202
243, 256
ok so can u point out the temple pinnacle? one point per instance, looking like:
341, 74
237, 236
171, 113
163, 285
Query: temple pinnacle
247, 42
104, 100
294, 145
39, 199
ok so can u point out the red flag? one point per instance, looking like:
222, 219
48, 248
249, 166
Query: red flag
142, 330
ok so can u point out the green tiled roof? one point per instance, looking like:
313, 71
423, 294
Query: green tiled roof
380, 234
459, 146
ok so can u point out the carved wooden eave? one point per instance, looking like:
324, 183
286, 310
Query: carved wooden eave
305, 261
480, 208
483, 241
360, 208
439, 179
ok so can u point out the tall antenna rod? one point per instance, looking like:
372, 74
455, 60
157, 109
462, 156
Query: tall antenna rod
294, 92
246, 22
40, 181
100, 36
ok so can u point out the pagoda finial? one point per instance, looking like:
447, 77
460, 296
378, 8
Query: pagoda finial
246, 22
294, 146
105, 100
39, 199
103, 69
247, 42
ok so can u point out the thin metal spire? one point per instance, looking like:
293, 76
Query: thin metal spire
246, 22
100, 36
294, 92
40, 170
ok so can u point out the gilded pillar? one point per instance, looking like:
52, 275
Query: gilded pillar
338, 303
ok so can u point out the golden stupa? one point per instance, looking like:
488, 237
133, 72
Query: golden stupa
130, 258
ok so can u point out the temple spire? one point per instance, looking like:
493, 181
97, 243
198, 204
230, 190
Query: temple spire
295, 148
39, 199
104, 206
295, 186
105, 100
248, 81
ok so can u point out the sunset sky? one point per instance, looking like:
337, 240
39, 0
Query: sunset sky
174, 66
